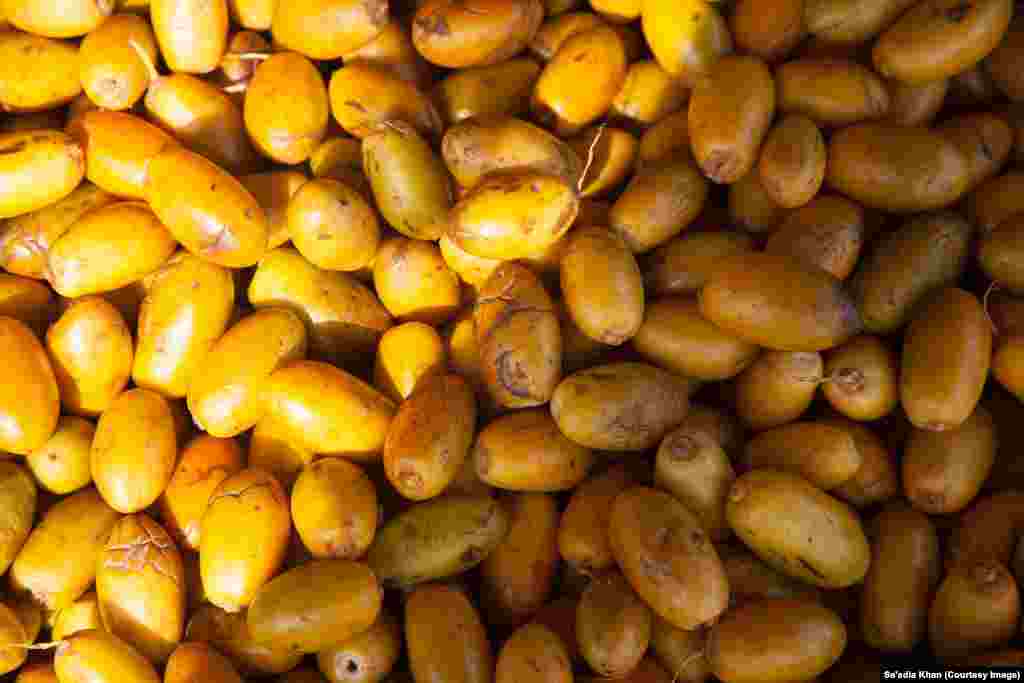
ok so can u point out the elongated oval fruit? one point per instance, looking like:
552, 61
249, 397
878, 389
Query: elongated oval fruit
408, 356
118, 148
559, 616
409, 181
519, 337
692, 465
999, 254
57, 564
140, 587
946, 354
1006, 365
514, 215
83, 614
445, 638
274, 449
25, 241
193, 34
27, 300
37, 672
30, 400
864, 379
924, 254
677, 337
943, 471
286, 108
37, 168
91, 349
333, 226
778, 387
204, 463
988, 530
365, 658
101, 657
579, 83
687, 38
659, 202
414, 283
315, 605
824, 454
25, 86
109, 248
203, 118
470, 269
531, 647
602, 285
851, 21
518, 577
612, 152
751, 207
134, 450
248, 510
343, 316
437, 539
832, 92
779, 303
751, 579
525, 451
274, 190
229, 633
684, 265
470, 93
334, 509
896, 168
479, 146
393, 49
206, 208
620, 406
730, 112
199, 661
328, 29
188, 305
905, 570
820, 542
877, 480
613, 626
583, 528
775, 640
911, 104
678, 650
976, 608
986, 140
224, 394
328, 410
667, 557
67, 20
18, 496
365, 96
792, 162
113, 75
665, 139
430, 437
648, 94
475, 33
940, 39
995, 201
